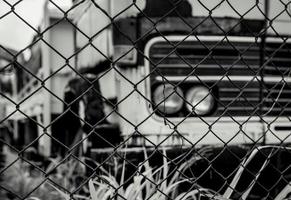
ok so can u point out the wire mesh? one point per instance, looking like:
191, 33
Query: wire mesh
144, 99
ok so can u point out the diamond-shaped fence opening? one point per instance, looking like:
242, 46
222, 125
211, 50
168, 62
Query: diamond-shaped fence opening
145, 99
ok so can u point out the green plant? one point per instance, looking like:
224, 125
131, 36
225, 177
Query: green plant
147, 183
26, 181
68, 174
23, 182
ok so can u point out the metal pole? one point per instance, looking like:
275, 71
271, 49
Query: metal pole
262, 61
45, 140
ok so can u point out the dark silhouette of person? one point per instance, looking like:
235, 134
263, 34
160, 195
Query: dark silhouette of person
87, 91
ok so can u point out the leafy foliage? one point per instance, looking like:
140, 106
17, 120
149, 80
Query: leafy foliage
22, 181
147, 183
63, 177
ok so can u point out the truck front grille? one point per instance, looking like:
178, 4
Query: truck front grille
277, 58
187, 62
205, 57
277, 99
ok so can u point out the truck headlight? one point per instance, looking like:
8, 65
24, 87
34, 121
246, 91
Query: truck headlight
168, 99
199, 100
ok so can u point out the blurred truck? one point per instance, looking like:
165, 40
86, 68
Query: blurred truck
194, 73
191, 73
186, 73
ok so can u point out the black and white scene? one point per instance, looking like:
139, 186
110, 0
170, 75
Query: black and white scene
145, 99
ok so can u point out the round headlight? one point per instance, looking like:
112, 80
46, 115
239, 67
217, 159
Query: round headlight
200, 100
167, 99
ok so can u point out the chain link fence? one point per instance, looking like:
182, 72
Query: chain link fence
147, 99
